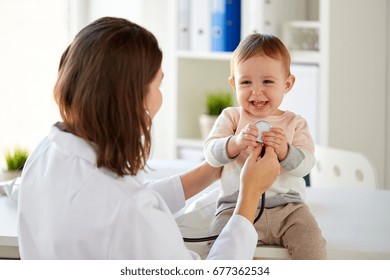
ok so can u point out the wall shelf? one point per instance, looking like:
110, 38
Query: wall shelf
343, 57
204, 55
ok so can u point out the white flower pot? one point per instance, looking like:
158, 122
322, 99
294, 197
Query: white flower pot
9, 175
206, 123
7, 183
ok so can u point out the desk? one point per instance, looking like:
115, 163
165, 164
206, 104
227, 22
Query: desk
8, 228
355, 222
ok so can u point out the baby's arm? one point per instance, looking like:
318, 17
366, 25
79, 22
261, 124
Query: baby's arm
297, 157
217, 148
224, 144
298, 162
215, 144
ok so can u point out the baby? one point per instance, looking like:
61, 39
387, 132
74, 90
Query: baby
260, 77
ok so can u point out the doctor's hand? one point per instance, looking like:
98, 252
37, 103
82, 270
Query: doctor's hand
257, 176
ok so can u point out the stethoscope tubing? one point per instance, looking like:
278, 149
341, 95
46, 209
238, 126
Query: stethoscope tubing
214, 237
262, 126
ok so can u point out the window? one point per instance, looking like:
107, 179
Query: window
33, 37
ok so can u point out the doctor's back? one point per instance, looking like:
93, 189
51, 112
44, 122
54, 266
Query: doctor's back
71, 209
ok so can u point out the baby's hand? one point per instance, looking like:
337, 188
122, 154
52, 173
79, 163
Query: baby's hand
246, 138
276, 138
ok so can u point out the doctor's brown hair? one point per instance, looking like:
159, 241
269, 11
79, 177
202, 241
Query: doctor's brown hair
103, 79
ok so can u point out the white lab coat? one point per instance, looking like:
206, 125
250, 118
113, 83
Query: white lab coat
70, 209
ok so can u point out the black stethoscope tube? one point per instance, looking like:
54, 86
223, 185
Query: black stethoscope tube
213, 237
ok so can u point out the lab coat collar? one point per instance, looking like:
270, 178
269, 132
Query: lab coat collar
71, 143
78, 147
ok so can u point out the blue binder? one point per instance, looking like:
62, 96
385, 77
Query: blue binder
225, 25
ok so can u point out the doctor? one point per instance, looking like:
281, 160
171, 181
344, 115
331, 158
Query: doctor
82, 194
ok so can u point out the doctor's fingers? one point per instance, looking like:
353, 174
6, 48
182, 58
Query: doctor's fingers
270, 162
271, 155
261, 172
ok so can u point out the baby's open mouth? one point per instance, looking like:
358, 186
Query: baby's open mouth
259, 104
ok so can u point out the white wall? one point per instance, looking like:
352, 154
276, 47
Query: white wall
357, 80
130, 9
83, 12
158, 17
33, 37
387, 139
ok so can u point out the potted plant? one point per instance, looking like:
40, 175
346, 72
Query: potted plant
216, 101
15, 162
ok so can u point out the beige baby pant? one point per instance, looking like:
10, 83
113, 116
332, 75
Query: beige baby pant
291, 226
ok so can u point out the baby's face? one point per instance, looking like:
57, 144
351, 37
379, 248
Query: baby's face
260, 83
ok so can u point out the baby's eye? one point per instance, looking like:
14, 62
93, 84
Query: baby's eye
246, 82
267, 82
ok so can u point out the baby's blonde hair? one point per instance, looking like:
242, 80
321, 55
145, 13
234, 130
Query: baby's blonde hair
258, 45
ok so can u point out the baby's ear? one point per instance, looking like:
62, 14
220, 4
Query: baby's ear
289, 83
232, 83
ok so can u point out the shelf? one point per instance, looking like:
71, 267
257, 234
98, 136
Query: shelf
199, 72
309, 57
224, 56
302, 40
190, 149
312, 57
190, 142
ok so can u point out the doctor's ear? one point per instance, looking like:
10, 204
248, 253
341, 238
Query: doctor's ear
232, 83
289, 83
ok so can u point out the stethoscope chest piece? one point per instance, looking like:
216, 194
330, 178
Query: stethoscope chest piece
262, 127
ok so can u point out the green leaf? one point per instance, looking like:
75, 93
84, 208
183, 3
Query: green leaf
217, 101
17, 159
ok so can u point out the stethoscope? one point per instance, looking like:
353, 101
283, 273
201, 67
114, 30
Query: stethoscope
262, 126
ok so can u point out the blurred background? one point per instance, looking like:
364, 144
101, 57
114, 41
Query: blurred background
340, 55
